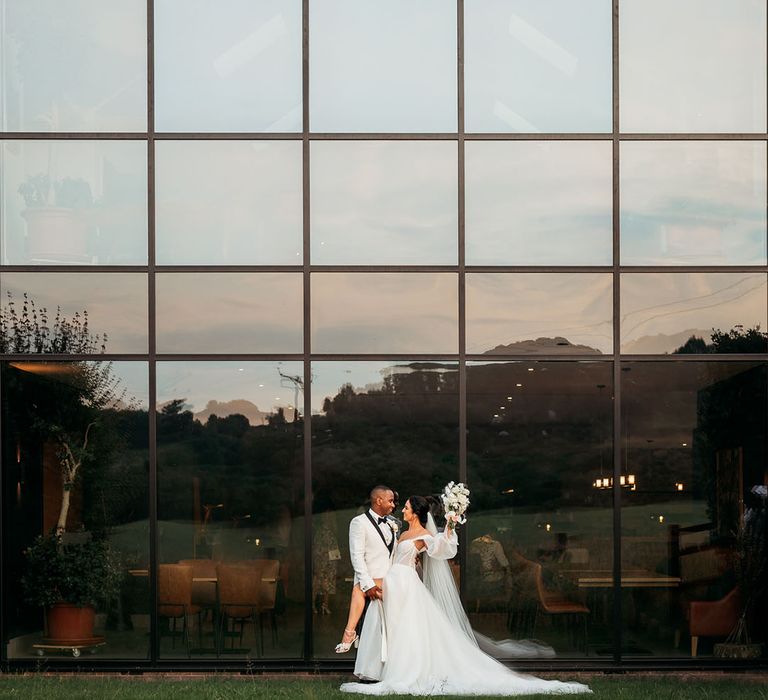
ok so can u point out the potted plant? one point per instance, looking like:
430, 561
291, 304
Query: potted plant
58, 227
751, 571
69, 580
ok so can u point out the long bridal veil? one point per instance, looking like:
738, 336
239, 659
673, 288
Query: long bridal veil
439, 581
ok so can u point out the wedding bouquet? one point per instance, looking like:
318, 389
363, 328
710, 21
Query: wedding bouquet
455, 499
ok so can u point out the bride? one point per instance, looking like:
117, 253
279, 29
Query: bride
428, 646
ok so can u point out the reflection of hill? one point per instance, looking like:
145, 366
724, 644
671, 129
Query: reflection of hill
662, 343
543, 346
243, 407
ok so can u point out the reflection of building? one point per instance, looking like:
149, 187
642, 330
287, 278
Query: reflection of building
445, 295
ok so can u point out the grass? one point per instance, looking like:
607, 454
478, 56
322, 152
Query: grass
618, 687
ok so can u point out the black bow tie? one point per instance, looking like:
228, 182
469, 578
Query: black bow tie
382, 520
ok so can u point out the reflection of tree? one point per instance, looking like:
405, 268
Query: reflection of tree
29, 330
403, 433
737, 340
254, 471
74, 400
731, 413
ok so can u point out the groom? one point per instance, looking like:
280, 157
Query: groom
372, 539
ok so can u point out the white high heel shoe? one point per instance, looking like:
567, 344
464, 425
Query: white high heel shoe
344, 647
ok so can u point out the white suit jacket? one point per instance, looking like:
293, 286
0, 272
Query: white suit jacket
370, 557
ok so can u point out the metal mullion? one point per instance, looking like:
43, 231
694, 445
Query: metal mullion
307, 339
384, 357
616, 241
74, 357
534, 269
383, 136
229, 136
72, 136
206, 269
520, 136
462, 318
154, 537
356, 269
757, 136
79, 269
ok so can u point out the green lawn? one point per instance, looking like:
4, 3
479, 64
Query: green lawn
34, 687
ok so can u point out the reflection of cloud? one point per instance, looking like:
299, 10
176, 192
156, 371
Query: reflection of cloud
385, 312
227, 384
229, 312
513, 119
656, 304
542, 203
542, 45
287, 122
384, 202
691, 295
505, 308
269, 33
693, 202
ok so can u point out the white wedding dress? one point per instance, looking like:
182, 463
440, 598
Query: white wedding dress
427, 653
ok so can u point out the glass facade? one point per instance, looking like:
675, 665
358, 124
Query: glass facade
256, 258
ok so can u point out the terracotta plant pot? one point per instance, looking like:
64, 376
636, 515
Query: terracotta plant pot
70, 623
57, 234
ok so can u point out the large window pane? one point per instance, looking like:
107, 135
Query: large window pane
693, 313
694, 439
384, 202
233, 70
391, 423
538, 66
693, 202
65, 312
692, 66
99, 497
230, 467
229, 202
510, 314
539, 435
382, 67
73, 202
229, 312
384, 313
79, 65
539, 203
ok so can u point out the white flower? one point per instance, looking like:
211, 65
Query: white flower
760, 490
392, 524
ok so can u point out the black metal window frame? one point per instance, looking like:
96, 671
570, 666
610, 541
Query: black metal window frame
307, 269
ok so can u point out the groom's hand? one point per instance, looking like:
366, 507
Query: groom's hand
374, 593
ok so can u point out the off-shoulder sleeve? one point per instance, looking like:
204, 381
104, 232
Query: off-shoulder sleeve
443, 545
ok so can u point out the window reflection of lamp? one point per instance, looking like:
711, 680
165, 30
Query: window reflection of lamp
626, 480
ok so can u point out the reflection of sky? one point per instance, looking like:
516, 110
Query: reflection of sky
382, 66
385, 312
79, 65
536, 66
379, 203
229, 312
233, 70
116, 302
693, 203
329, 377
229, 202
543, 203
507, 308
201, 382
671, 306
692, 66
115, 172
